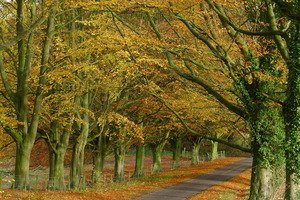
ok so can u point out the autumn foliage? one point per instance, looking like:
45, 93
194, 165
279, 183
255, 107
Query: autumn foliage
104, 77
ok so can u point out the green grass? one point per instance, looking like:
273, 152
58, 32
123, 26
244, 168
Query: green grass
227, 196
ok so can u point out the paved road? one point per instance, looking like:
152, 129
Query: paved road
194, 186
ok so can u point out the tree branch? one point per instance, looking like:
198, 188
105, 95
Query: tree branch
21, 36
236, 36
123, 22
159, 36
287, 10
6, 145
236, 146
279, 41
234, 108
263, 33
202, 38
9, 130
5, 81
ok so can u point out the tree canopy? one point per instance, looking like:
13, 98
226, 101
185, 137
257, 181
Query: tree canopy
114, 74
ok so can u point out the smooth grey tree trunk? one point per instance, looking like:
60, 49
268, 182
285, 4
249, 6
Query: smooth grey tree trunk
56, 171
157, 153
22, 166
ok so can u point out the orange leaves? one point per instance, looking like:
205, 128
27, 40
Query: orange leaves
235, 188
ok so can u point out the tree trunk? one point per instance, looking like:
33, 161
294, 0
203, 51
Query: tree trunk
291, 112
77, 164
292, 188
27, 129
76, 176
56, 172
139, 161
195, 154
214, 150
99, 158
22, 164
157, 151
78, 160
262, 180
177, 144
119, 152
58, 142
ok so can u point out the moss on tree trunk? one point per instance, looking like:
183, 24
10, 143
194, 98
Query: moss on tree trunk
214, 150
99, 158
176, 148
291, 112
157, 153
119, 152
56, 172
76, 176
22, 165
139, 160
195, 152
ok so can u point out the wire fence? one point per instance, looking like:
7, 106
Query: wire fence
39, 176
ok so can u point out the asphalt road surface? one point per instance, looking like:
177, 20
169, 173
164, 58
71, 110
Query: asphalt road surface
198, 184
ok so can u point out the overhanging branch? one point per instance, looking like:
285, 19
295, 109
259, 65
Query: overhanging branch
236, 146
232, 107
262, 33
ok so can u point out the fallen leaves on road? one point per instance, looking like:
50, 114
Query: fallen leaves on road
236, 188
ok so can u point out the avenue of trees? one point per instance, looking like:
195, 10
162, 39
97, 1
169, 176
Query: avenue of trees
121, 74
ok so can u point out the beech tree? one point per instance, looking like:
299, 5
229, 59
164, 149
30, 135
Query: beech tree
254, 107
287, 40
17, 56
283, 28
250, 83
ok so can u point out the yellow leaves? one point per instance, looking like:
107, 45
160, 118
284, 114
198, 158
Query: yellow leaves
6, 117
121, 126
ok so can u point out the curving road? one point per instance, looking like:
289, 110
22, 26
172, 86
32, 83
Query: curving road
198, 184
